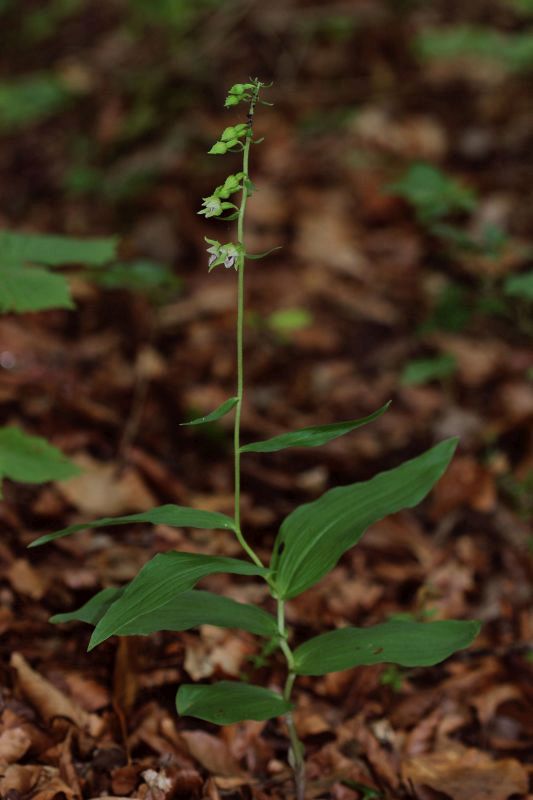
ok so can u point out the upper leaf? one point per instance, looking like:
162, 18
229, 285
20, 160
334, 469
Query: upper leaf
219, 412
32, 289
313, 537
409, 644
158, 584
313, 436
190, 609
227, 702
176, 516
55, 251
31, 459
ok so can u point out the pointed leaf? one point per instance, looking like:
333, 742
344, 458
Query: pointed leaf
160, 582
31, 459
311, 437
190, 609
55, 251
32, 289
258, 256
219, 412
93, 610
227, 702
176, 516
409, 644
313, 537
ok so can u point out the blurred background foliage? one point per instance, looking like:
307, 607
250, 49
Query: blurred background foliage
420, 111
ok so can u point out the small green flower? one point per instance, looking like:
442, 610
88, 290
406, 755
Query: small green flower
228, 254
212, 206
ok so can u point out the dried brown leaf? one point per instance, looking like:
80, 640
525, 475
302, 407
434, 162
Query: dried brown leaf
466, 774
49, 701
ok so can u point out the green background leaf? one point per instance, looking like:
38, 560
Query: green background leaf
31, 459
313, 537
520, 285
423, 370
32, 289
176, 516
55, 251
227, 702
409, 644
159, 583
311, 437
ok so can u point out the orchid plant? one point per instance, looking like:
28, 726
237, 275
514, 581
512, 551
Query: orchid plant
310, 541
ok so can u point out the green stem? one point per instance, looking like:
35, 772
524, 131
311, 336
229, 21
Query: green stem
240, 334
296, 752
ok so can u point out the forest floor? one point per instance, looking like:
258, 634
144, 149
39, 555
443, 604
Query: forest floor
371, 286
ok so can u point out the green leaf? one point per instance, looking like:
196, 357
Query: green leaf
409, 644
424, 370
31, 99
143, 276
55, 251
287, 320
520, 286
227, 702
32, 289
433, 193
311, 437
159, 583
31, 459
93, 610
219, 412
195, 607
313, 537
258, 256
190, 609
176, 516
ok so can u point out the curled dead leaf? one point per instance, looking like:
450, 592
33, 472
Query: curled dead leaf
49, 701
212, 753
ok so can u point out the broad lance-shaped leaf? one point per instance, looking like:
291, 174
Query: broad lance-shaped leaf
313, 537
160, 582
32, 289
31, 459
219, 412
55, 251
190, 609
93, 610
227, 702
311, 437
409, 644
176, 516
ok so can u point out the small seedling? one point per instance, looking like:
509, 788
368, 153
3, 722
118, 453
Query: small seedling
310, 541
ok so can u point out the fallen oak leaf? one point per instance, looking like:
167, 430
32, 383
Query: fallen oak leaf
212, 753
49, 701
463, 773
